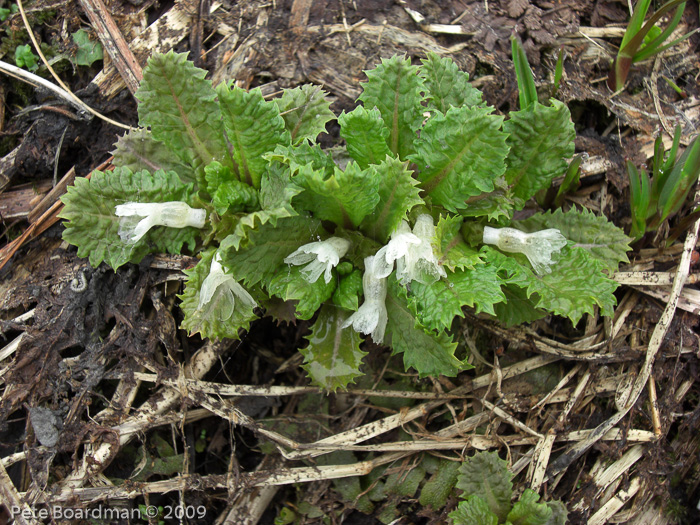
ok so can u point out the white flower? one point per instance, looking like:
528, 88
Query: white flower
139, 217
321, 256
537, 246
421, 264
371, 317
402, 240
224, 288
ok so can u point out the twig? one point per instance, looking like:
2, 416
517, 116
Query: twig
657, 337
114, 43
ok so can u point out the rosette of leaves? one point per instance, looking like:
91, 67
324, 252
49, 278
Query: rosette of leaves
269, 188
487, 492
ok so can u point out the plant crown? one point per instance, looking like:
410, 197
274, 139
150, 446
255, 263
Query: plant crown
425, 165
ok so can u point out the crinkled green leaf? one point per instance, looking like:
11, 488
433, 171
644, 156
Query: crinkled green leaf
575, 286
180, 107
349, 291
276, 194
428, 353
486, 475
495, 205
333, 357
290, 285
601, 238
262, 253
438, 488
395, 89
216, 319
473, 511
253, 126
446, 85
449, 246
527, 510
305, 111
398, 194
540, 138
305, 156
94, 228
365, 135
345, 198
517, 308
436, 305
138, 150
228, 193
460, 154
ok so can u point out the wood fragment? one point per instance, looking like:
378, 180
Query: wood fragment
114, 43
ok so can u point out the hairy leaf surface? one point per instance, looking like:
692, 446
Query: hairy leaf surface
179, 105
265, 248
427, 353
486, 475
575, 286
450, 248
365, 135
345, 198
254, 127
275, 198
473, 511
527, 510
447, 86
436, 305
305, 110
601, 238
290, 285
333, 357
138, 150
398, 194
460, 154
395, 89
540, 138
94, 228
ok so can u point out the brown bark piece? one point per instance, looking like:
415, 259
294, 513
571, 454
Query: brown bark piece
160, 36
113, 41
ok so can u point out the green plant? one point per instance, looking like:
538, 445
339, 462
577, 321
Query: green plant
25, 57
88, 51
242, 182
659, 196
644, 41
5, 12
487, 492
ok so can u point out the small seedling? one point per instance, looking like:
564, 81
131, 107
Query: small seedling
487, 492
25, 57
656, 197
644, 41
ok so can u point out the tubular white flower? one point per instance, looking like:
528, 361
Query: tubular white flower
538, 247
225, 288
371, 317
421, 264
139, 217
321, 256
402, 241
